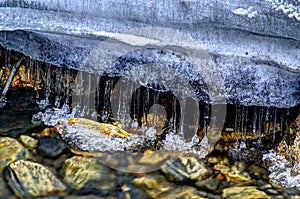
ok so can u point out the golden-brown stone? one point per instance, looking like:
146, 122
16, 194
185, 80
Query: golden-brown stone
153, 184
105, 128
10, 151
84, 172
29, 179
248, 192
232, 174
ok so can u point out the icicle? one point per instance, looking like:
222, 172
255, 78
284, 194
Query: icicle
107, 99
281, 122
137, 102
174, 113
97, 94
254, 120
242, 122
7, 60
274, 123
182, 114
267, 121
67, 86
87, 93
245, 120
206, 118
128, 89
146, 105
36, 80
260, 119
124, 103
27, 73
47, 84
237, 124
286, 119
58, 87
31, 69
155, 101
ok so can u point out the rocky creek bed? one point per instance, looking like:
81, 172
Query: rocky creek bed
36, 162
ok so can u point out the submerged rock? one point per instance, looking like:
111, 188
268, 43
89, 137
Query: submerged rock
153, 184
232, 174
186, 192
51, 146
29, 142
185, 169
29, 179
249, 192
212, 185
10, 151
88, 175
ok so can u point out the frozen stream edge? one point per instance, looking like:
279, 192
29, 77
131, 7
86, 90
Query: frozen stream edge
254, 44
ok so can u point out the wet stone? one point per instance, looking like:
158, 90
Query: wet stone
29, 179
248, 192
51, 147
232, 174
5, 190
212, 185
153, 184
29, 142
88, 175
187, 192
84, 197
257, 172
10, 151
130, 191
271, 191
186, 168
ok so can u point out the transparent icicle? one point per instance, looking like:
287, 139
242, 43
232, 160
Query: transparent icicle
146, 107
206, 118
237, 124
67, 86
107, 99
260, 119
274, 124
182, 116
254, 120
267, 120
58, 87
155, 101
36, 78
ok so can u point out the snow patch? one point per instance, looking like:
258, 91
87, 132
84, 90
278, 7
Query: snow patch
249, 12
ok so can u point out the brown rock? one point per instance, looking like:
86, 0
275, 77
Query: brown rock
186, 168
86, 173
153, 185
248, 192
10, 151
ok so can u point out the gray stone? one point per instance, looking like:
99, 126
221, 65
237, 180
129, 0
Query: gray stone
51, 146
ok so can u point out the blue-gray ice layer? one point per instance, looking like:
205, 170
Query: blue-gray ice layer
255, 44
